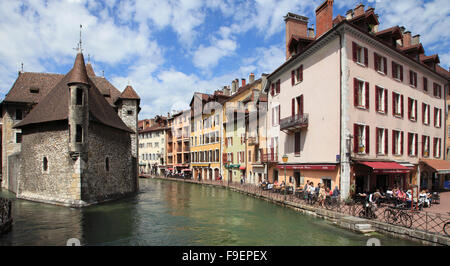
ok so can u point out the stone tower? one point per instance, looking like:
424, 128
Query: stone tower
78, 113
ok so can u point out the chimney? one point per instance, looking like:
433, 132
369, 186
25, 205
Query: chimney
311, 33
406, 39
243, 82
415, 39
324, 17
233, 86
349, 14
295, 25
226, 90
251, 78
359, 10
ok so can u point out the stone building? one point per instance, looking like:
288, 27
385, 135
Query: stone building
69, 139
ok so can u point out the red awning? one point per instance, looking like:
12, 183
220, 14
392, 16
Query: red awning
170, 169
441, 166
186, 170
386, 167
308, 166
242, 168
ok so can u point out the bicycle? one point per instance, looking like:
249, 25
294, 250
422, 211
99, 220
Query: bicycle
368, 211
446, 228
397, 216
332, 203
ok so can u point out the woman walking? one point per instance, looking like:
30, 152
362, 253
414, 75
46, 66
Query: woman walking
322, 195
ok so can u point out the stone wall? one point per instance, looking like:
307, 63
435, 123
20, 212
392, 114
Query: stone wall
9, 145
57, 184
131, 121
98, 183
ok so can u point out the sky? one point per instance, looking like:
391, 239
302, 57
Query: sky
169, 49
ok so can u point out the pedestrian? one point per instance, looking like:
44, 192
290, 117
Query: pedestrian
322, 195
336, 192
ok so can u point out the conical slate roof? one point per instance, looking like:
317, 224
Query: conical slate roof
129, 93
78, 73
55, 106
90, 70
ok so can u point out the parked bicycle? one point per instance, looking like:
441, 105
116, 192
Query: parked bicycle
332, 203
447, 228
368, 211
393, 215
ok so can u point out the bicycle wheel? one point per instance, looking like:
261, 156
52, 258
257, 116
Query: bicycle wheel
362, 214
389, 216
447, 228
405, 219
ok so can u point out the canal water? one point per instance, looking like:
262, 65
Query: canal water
173, 213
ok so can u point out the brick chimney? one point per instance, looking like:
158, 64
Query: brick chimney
359, 10
295, 25
251, 78
324, 17
243, 82
415, 39
311, 33
406, 39
349, 14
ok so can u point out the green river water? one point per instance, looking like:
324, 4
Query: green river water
171, 213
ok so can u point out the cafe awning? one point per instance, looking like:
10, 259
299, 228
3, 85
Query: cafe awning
242, 167
441, 166
308, 166
386, 167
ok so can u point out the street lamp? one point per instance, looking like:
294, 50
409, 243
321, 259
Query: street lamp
285, 159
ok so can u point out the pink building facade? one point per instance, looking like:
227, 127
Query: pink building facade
355, 107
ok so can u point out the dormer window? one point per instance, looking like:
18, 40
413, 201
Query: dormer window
19, 114
34, 90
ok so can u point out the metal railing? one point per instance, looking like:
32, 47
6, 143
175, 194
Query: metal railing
298, 120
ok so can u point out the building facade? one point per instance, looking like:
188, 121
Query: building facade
380, 110
177, 142
152, 147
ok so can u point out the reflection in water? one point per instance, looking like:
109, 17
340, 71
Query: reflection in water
171, 213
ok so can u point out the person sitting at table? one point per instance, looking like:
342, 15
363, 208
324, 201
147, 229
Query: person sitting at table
328, 191
336, 192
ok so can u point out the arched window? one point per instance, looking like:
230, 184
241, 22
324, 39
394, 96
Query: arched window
107, 164
45, 164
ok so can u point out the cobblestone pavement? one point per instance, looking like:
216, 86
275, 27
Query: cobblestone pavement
444, 206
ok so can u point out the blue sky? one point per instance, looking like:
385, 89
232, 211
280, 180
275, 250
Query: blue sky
168, 49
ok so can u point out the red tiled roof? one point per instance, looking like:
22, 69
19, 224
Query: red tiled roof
129, 93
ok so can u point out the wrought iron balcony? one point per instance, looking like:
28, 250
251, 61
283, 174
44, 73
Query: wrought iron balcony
294, 123
269, 157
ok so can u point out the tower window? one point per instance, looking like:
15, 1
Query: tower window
18, 137
19, 114
45, 164
79, 134
79, 96
130, 112
107, 164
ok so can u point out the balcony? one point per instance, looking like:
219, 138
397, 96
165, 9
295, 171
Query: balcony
269, 157
294, 123
252, 140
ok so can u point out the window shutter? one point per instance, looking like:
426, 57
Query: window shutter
301, 73
434, 147
355, 138
366, 57
367, 139
386, 101
428, 145
293, 77
385, 65
301, 105
355, 48
298, 74
293, 106
411, 78
409, 108
376, 98
401, 104
279, 112
377, 142
425, 84
375, 61
435, 116
355, 91
409, 143
393, 142
423, 146
401, 143
415, 111
272, 91
393, 103
423, 113
440, 147
429, 111
401, 73
440, 117
415, 79
386, 137
417, 145
367, 95
394, 70
278, 86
